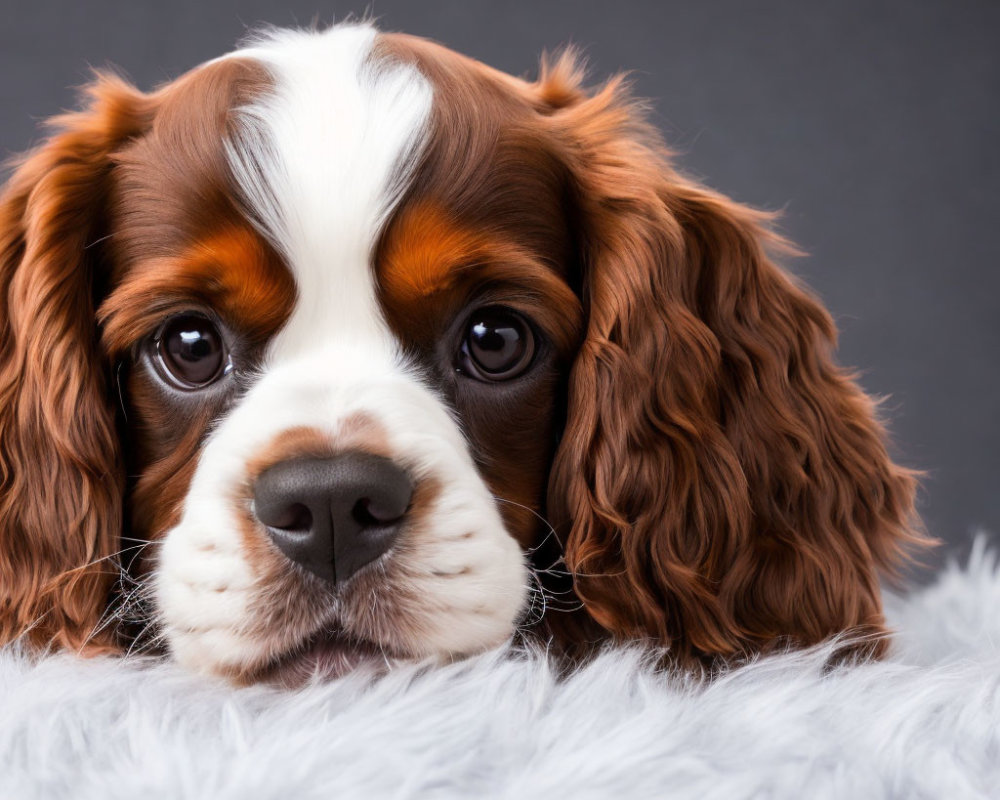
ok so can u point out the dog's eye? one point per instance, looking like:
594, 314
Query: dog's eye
192, 351
498, 345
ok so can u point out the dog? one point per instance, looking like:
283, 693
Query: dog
347, 346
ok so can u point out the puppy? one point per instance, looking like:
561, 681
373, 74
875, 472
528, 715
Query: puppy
345, 345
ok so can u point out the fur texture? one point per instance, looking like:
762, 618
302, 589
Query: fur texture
923, 724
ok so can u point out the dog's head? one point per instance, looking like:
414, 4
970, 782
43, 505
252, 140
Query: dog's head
344, 327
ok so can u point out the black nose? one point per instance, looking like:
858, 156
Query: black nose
333, 515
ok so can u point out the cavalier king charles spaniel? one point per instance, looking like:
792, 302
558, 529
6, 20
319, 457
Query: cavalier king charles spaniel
346, 346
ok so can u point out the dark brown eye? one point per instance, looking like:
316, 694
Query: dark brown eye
498, 345
192, 351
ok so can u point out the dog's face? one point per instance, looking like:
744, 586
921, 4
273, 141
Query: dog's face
343, 327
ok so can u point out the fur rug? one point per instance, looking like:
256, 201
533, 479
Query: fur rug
925, 724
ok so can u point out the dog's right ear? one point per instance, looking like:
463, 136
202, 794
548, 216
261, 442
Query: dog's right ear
61, 479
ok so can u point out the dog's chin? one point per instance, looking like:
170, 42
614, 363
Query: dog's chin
324, 657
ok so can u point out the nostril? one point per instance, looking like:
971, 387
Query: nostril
293, 517
369, 513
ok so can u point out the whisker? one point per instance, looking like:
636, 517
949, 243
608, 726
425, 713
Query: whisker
117, 553
535, 591
551, 531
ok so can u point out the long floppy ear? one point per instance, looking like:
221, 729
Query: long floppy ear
721, 484
60, 473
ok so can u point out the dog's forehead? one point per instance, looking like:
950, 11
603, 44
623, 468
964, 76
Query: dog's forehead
321, 159
331, 148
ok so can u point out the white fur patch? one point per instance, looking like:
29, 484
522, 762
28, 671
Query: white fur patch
322, 160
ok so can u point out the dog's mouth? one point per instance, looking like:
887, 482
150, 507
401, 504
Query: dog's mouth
325, 656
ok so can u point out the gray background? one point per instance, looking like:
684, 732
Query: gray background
874, 125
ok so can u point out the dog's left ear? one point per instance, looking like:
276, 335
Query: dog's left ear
721, 484
60, 472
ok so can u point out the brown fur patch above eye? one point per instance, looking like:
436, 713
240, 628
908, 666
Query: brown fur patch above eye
232, 272
428, 251
256, 288
430, 264
420, 257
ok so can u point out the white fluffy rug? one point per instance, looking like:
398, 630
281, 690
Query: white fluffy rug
924, 725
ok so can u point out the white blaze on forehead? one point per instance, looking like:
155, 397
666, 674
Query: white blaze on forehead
322, 159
